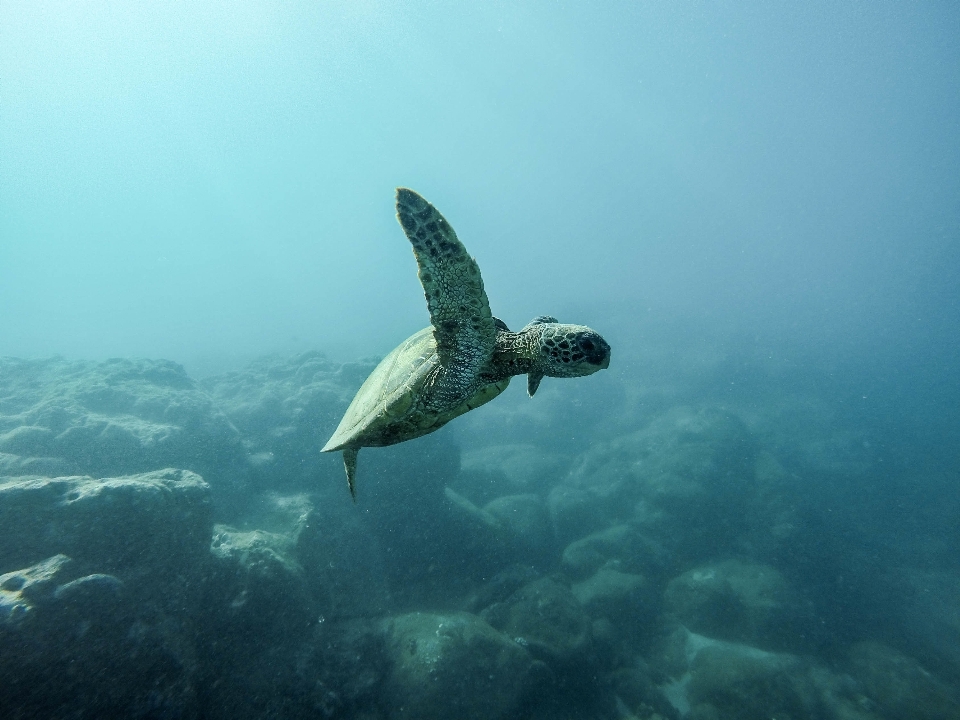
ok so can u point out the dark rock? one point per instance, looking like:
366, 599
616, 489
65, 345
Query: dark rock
453, 666
155, 524
344, 564
546, 617
83, 648
621, 547
257, 586
733, 600
625, 600
739, 683
899, 686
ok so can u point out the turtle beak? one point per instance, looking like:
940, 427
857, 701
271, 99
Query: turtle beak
600, 355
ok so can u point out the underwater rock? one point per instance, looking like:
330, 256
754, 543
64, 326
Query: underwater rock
683, 480
720, 680
259, 620
84, 647
111, 418
257, 584
732, 681
510, 469
546, 617
285, 408
500, 587
733, 600
637, 690
454, 666
153, 527
575, 511
334, 670
623, 599
345, 668
344, 564
621, 547
529, 533
17, 465
479, 528
21, 589
899, 686
739, 683
929, 617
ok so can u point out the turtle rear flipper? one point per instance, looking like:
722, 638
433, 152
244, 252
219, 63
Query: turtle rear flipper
350, 465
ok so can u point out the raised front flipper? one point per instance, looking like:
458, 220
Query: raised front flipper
463, 327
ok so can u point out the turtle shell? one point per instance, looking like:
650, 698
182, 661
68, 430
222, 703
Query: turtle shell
387, 407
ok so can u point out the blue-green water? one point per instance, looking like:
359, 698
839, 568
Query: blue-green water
752, 513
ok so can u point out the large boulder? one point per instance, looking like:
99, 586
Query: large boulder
454, 666
257, 585
682, 480
734, 600
732, 682
623, 599
899, 687
720, 680
151, 530
621, 547
112, 418
82, 646
546, 617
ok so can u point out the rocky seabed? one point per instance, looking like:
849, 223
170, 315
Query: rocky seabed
179, 549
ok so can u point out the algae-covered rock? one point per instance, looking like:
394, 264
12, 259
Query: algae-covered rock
732, 681
21, 590
636, 687
624, 599
453, 666
112, 418
899, 686
154, 526
621, 546
76, 645
546, 617
258, 584
749, 685
733, 600
682, 480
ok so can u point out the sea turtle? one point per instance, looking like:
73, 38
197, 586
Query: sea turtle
464, 359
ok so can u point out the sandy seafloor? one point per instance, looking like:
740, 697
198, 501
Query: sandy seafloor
716, 541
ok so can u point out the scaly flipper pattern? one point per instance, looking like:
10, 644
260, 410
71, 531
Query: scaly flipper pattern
463, 326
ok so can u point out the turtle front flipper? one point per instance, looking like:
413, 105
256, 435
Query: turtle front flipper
463, 327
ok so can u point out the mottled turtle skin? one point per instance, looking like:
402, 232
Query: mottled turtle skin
464, 359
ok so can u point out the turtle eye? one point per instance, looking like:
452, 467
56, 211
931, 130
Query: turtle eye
587, 345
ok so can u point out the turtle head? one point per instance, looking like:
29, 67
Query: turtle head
563, 350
